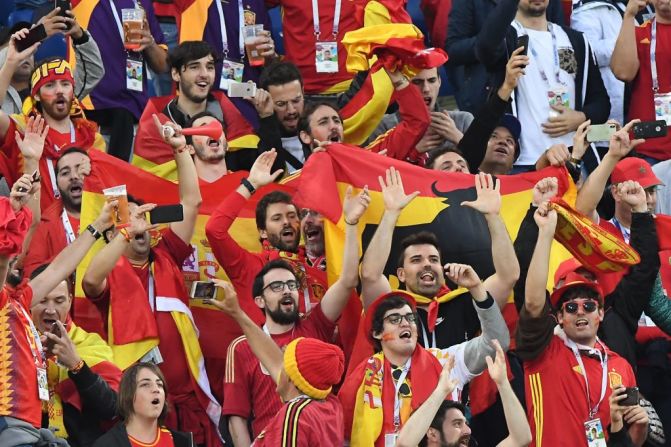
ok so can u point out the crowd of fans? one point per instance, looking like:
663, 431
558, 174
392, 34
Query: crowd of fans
554, 355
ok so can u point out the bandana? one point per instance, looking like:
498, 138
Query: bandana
55, 70
443, 296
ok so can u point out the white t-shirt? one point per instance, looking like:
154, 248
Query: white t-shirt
294, 146
533, 106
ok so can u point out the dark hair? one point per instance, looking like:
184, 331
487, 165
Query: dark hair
70, 280
71, 150
391, 302
434, 154
439, 418
189, 51
279, 73
310, 108
579, 292
257, 285
266, 201
421, 238
128, 387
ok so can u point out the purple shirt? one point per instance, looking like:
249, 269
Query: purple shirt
111, 92
256, 14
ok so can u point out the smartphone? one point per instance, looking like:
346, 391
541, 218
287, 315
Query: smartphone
49, 345
65, 6
241, 89
523, 41
203, 290
632, 397
166, 214
650, 129
34, 178
601, 132
36, 34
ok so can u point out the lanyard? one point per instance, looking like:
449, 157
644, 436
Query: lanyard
51, 164
224, 35
604, 370
626, 233
306, 293
36, 349
397, 387
426, 337
152, 293
336, 18
69, 232
653, 57
555, 53
117, 19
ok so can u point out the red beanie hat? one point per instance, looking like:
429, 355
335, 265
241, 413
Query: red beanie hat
313, 366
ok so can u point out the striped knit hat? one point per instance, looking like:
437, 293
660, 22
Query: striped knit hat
313, 366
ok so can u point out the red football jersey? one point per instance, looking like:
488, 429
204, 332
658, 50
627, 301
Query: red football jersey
248, 388
163, 439
557, 406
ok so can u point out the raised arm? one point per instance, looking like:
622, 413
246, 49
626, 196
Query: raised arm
263, 347
507, 269
592, 190
490, 46
102, 264
189, 191
15, 221
67, 260
14, 58
519, 432
335, 299
537, 278
474, 142
419, 423
492, 322
373, 281
624, 61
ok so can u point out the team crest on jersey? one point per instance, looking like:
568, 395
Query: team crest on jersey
250, 16
614, 379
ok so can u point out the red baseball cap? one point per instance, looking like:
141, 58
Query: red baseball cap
636, 169
572, 280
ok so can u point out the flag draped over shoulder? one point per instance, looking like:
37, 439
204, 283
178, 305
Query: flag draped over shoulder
377, 12
152, 154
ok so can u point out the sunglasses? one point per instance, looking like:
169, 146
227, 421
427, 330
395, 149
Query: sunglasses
396, 319
278, 286
571, 307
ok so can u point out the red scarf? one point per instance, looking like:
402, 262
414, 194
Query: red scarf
428, 370
131, 316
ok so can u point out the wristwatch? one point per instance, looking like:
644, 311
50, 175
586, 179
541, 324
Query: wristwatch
96, 234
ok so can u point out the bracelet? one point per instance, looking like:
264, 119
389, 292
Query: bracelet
576, 162
248, 185
397, 84
95, 233
350, 223
78, 367
124, 232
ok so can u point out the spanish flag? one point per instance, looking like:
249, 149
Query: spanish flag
397, 45
152, 154
462, 231
378, 12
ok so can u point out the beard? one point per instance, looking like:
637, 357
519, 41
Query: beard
534, 11
276, 241
49, 108
203, 155
281, 317
191, 95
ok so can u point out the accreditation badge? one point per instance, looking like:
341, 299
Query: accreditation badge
558, 96
134, 73
663, 107
326, 57
594, 433
230, 72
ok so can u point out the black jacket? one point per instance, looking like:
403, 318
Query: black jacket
466, 73
98, 404
118, 437
498, 39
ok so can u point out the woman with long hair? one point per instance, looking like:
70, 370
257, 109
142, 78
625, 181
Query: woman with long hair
142, 410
